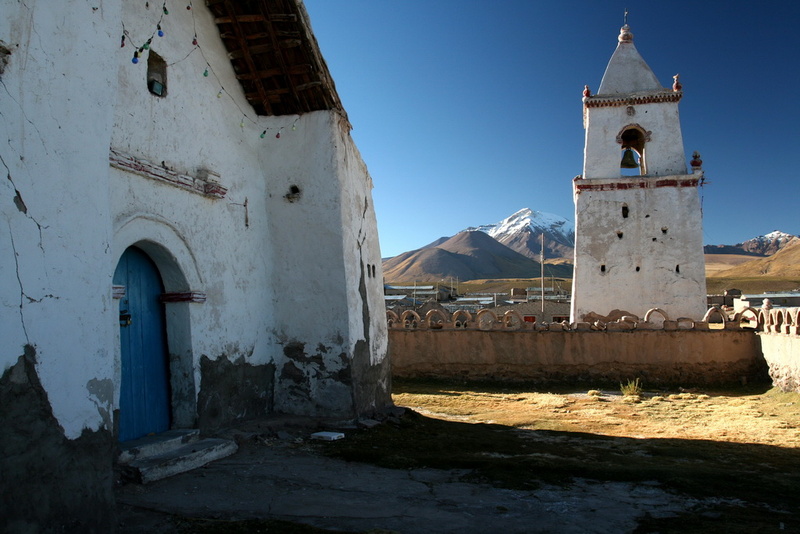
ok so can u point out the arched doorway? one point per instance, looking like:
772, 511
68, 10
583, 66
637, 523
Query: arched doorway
144, 405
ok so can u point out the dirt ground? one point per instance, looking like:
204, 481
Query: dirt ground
756, 415
466, 458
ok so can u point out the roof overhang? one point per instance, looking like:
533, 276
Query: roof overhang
275, 56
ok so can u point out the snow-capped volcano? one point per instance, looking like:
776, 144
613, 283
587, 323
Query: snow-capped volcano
523, 232
764, 245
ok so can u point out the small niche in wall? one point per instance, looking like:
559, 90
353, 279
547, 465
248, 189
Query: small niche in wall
664, 230
294, 194
677, 268
156, 74
602, 268
619, 234
625, 211
638, 268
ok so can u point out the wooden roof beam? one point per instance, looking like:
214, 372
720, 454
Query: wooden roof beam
230, 19
294, 70
247, 57
279, 55
262, 49
261, 35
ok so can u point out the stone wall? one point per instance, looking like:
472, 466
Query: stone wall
656, 357
780, 342
487, 347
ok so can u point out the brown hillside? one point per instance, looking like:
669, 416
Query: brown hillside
468, 256
716, 263
783, 264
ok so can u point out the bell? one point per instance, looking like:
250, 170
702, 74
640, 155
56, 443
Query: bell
628, 161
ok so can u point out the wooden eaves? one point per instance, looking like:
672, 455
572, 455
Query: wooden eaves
275, 56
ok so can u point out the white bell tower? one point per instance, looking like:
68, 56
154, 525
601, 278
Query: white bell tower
638, 219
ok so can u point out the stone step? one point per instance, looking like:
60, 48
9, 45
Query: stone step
155, 444
179, 460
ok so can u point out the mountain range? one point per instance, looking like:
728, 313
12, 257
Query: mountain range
525, 230
512, 247
765, 245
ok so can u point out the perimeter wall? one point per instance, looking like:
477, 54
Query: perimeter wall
656, 350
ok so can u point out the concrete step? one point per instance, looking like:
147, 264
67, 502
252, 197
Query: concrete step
155, 444
180, 459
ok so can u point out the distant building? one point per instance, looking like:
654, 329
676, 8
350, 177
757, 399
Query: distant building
789, 299
638, 238
422, 293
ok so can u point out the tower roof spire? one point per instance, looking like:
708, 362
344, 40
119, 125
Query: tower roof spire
627, 71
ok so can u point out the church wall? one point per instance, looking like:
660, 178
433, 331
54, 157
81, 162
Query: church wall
56, 323
367, 325
218, 246
84, 144
329, 285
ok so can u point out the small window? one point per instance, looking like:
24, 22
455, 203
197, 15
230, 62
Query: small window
624, 211
156, 74
677, 268
638, 268
602, 268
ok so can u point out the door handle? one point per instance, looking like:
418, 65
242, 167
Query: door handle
124, 318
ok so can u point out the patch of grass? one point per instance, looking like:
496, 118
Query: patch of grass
632, 389
758, 475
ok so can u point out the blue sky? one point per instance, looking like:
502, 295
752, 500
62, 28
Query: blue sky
466, 111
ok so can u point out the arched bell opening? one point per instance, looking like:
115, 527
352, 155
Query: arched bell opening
632, 140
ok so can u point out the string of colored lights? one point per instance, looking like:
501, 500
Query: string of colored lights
209, 71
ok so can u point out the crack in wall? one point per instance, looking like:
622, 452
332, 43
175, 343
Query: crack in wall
22, 294
24, 115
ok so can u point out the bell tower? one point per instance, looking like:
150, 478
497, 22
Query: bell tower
638, 219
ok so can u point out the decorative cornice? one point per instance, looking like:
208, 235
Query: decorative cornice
607, 101
205, 183
594, 184
187, 296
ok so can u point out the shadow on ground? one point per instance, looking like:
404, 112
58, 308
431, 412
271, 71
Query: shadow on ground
414, 473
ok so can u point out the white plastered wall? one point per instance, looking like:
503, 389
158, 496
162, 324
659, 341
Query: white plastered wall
317, 278
56, 264
67, 216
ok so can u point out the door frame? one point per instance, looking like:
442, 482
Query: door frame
179, 274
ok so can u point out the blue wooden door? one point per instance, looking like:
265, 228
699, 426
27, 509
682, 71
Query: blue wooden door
144, 404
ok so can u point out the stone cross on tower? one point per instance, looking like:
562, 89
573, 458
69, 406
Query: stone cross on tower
638, 221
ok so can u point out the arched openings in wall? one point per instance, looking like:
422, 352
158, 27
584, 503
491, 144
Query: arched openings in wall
156, 74
632, 139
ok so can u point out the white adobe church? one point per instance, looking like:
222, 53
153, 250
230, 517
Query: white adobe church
187, 239
638, 219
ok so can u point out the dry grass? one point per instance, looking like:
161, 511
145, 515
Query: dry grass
737, 452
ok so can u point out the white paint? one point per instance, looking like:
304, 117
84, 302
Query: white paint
653, 257
291, 273
663, 153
